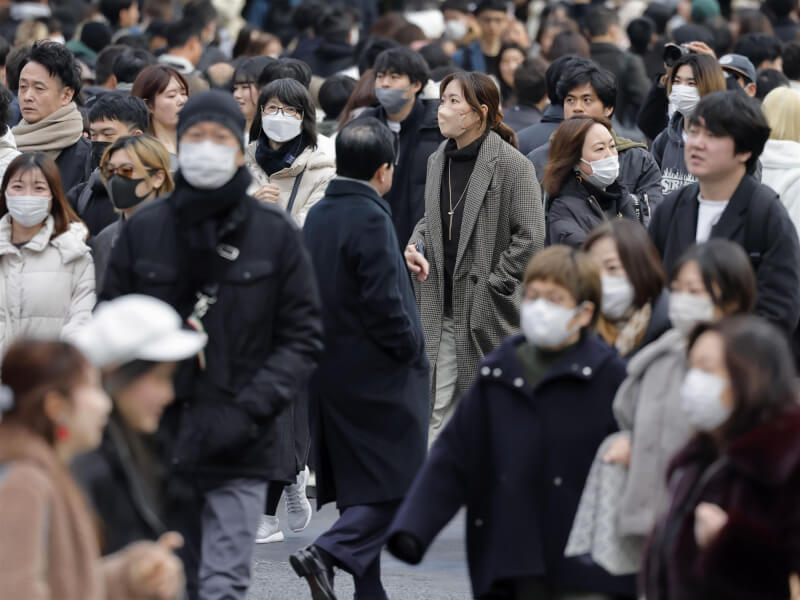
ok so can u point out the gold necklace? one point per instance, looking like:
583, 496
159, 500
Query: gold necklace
452, 210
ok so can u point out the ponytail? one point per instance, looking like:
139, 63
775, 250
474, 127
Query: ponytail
504, 131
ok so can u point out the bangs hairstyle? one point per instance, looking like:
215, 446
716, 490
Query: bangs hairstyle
404, 61
62, 212
566, 149
571, 269
708, 75
736, 115
250, 68
761, 370
782, 109
479, 89
152, 81
726, 271
289, 92
147, 154
638, 256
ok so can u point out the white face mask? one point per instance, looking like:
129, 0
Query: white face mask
280, 128
546, 325
684, 98
701, 400
28, 211
455, 30
617, 296
686, 311
206, 165
604, 171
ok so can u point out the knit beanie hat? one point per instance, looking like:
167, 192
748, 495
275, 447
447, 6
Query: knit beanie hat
214, 106
703, 10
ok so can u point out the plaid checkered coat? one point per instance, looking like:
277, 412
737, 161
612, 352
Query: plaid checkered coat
502, 228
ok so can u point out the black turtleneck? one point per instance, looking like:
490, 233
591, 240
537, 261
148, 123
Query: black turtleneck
459, 164
273, 161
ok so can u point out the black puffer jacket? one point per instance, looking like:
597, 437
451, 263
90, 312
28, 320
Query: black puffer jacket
265, 330
90, 200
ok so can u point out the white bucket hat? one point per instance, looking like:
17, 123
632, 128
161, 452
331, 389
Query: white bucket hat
137, 327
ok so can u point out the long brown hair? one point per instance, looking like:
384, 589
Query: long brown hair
479, 89
566, 149
62, 212
32, 369
151, 81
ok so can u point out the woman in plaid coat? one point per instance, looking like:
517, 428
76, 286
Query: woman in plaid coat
483, 222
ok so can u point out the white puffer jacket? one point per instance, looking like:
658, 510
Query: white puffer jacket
780, 170
48, 284
318, 168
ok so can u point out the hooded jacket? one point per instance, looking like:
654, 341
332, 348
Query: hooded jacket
780, 163
667, 149
49, 283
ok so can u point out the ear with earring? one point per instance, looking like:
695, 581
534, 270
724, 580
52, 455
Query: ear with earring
62, 432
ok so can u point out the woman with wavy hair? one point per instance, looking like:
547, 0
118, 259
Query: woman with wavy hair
483, 222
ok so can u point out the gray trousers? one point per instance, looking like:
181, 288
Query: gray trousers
445, 378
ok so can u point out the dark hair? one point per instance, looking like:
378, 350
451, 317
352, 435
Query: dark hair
5, 48
638, 256
111, 8
14, 63
180, 32
761, 369
439, 73
139, 42
387, 26
201, 12
334, 94
306, 14
249, 69
692, 33
434, 55
603, 82
371, 50
736, 115
363, 96
780, 8
767, 80
599, 20
753, 20
758, 47
640, 33
118, 106
410, 33
251, 41
292, 93
404, 61
104, 65
495, 5
6, 99
566, 148
529, 82
570, 43
791, 60
96, 35
285, 68
61, 210
660, 14
153, 80
362, 147
479, 89
32, 369
726, 271
554, 72
130, 63
58, 61
334, 24
707, 73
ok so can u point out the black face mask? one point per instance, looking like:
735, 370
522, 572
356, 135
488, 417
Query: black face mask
122, 192
97, 152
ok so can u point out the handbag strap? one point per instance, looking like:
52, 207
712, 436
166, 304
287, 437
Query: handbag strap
295, 187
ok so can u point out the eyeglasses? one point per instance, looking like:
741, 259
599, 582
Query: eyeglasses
124, 170
289, 111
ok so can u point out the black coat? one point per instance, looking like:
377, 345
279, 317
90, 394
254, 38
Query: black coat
264, 330
579, 207
652, 118
521, 117
419, 138
632, 81
90, 200
330, 58
537, 135
370, 406
75, 163
517, 457
756, 219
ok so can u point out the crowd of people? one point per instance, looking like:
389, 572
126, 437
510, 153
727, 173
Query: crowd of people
538, 261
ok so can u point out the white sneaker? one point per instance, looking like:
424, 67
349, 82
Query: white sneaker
269, 530
298, 508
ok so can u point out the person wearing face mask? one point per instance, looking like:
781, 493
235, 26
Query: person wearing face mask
711, 281
635, 302
48, 288
288, 168
730, 526
483, 221
690, 78
581, 181
134, 170
235, 268
400, 76
518, 448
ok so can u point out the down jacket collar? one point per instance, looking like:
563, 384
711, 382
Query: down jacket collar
70, 244
310, 158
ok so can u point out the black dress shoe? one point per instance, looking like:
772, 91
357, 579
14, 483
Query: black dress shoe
308, 563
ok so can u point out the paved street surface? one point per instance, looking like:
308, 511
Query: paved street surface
441, 576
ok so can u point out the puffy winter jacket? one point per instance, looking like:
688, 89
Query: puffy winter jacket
49, 283
318, 169
780, 164
8, 151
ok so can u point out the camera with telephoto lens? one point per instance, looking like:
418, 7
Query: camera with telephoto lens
673, 52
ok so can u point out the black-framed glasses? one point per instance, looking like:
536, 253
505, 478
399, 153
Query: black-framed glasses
271, 110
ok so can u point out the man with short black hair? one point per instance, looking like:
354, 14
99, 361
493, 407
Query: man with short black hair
726, 135
285, 68
484, 53
105, 81
400, 76
184, 50
369, 396
129, 64
48, 83
791, 63
764, 51
121, 14
529, 84
114, 115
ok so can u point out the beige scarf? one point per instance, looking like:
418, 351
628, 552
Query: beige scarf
52, 134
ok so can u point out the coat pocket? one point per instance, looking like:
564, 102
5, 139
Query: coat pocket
155, 279
217, 429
